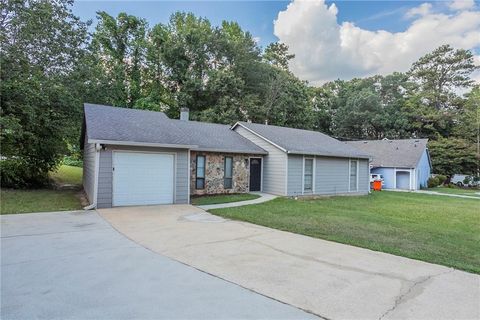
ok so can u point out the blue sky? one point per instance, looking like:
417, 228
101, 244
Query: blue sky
254, 16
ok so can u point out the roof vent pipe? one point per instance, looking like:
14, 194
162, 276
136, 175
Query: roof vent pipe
184, 114
266, 122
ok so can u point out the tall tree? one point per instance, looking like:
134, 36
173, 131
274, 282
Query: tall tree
441, 72
468, 126
276, 53
119, 45
284, 100
184, 49
453, 155
433, 103
41, 45
369, 108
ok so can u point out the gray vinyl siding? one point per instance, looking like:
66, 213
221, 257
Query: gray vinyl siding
295, 173
89, 169
332, 176
364, 176
274, 164
105, 177
182, 177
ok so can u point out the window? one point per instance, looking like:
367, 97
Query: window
228, 169
308, 175
200, 178
353, 175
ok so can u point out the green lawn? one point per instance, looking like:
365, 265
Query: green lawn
67, 175
443, 230
224, 198
41, 200
465, 192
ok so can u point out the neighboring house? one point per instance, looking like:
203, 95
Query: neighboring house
137, 157
405, 164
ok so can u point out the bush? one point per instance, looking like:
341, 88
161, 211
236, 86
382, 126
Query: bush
72, 161
19, 173
433, 182
441, 178
467, 180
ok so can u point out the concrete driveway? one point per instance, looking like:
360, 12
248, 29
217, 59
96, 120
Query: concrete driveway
76, 266
332, 280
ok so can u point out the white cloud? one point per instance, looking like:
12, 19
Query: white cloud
421, 10
326, 50
462, 4
257, 39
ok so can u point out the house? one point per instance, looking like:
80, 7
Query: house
404, 164
138, 157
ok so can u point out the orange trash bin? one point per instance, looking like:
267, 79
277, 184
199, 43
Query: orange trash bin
377, 185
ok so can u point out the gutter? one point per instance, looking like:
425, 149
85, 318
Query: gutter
142, 144
365, 157
93, 205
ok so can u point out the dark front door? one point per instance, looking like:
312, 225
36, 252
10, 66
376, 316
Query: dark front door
255, 174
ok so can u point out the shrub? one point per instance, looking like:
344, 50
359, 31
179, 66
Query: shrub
72, 161
433, 182
441, 178
19, 173
467, 180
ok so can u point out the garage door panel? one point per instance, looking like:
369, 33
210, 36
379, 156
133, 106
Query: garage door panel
143, 178
403, 180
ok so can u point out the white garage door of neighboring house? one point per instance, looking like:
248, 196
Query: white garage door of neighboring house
403, 180
142, 178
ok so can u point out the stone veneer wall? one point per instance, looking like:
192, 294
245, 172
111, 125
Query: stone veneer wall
214, 173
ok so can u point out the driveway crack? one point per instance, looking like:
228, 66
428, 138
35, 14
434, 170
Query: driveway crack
402, 297
334, 265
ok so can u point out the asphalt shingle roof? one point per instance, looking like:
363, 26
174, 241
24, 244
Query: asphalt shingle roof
142, 126
216, 137
404, 153
300, 141
131, 125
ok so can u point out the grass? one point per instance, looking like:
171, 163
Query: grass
224, 198
42, 200
442, 230
461, 191
67, 175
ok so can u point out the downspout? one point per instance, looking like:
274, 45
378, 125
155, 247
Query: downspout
98, 147
188, 175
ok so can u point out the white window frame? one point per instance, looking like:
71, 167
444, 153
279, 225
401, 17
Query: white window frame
225, 172
204, 170
313, 175
350, 175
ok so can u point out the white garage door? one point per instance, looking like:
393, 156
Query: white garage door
142, 178
403, 180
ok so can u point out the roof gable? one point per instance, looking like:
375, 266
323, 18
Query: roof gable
403, 153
